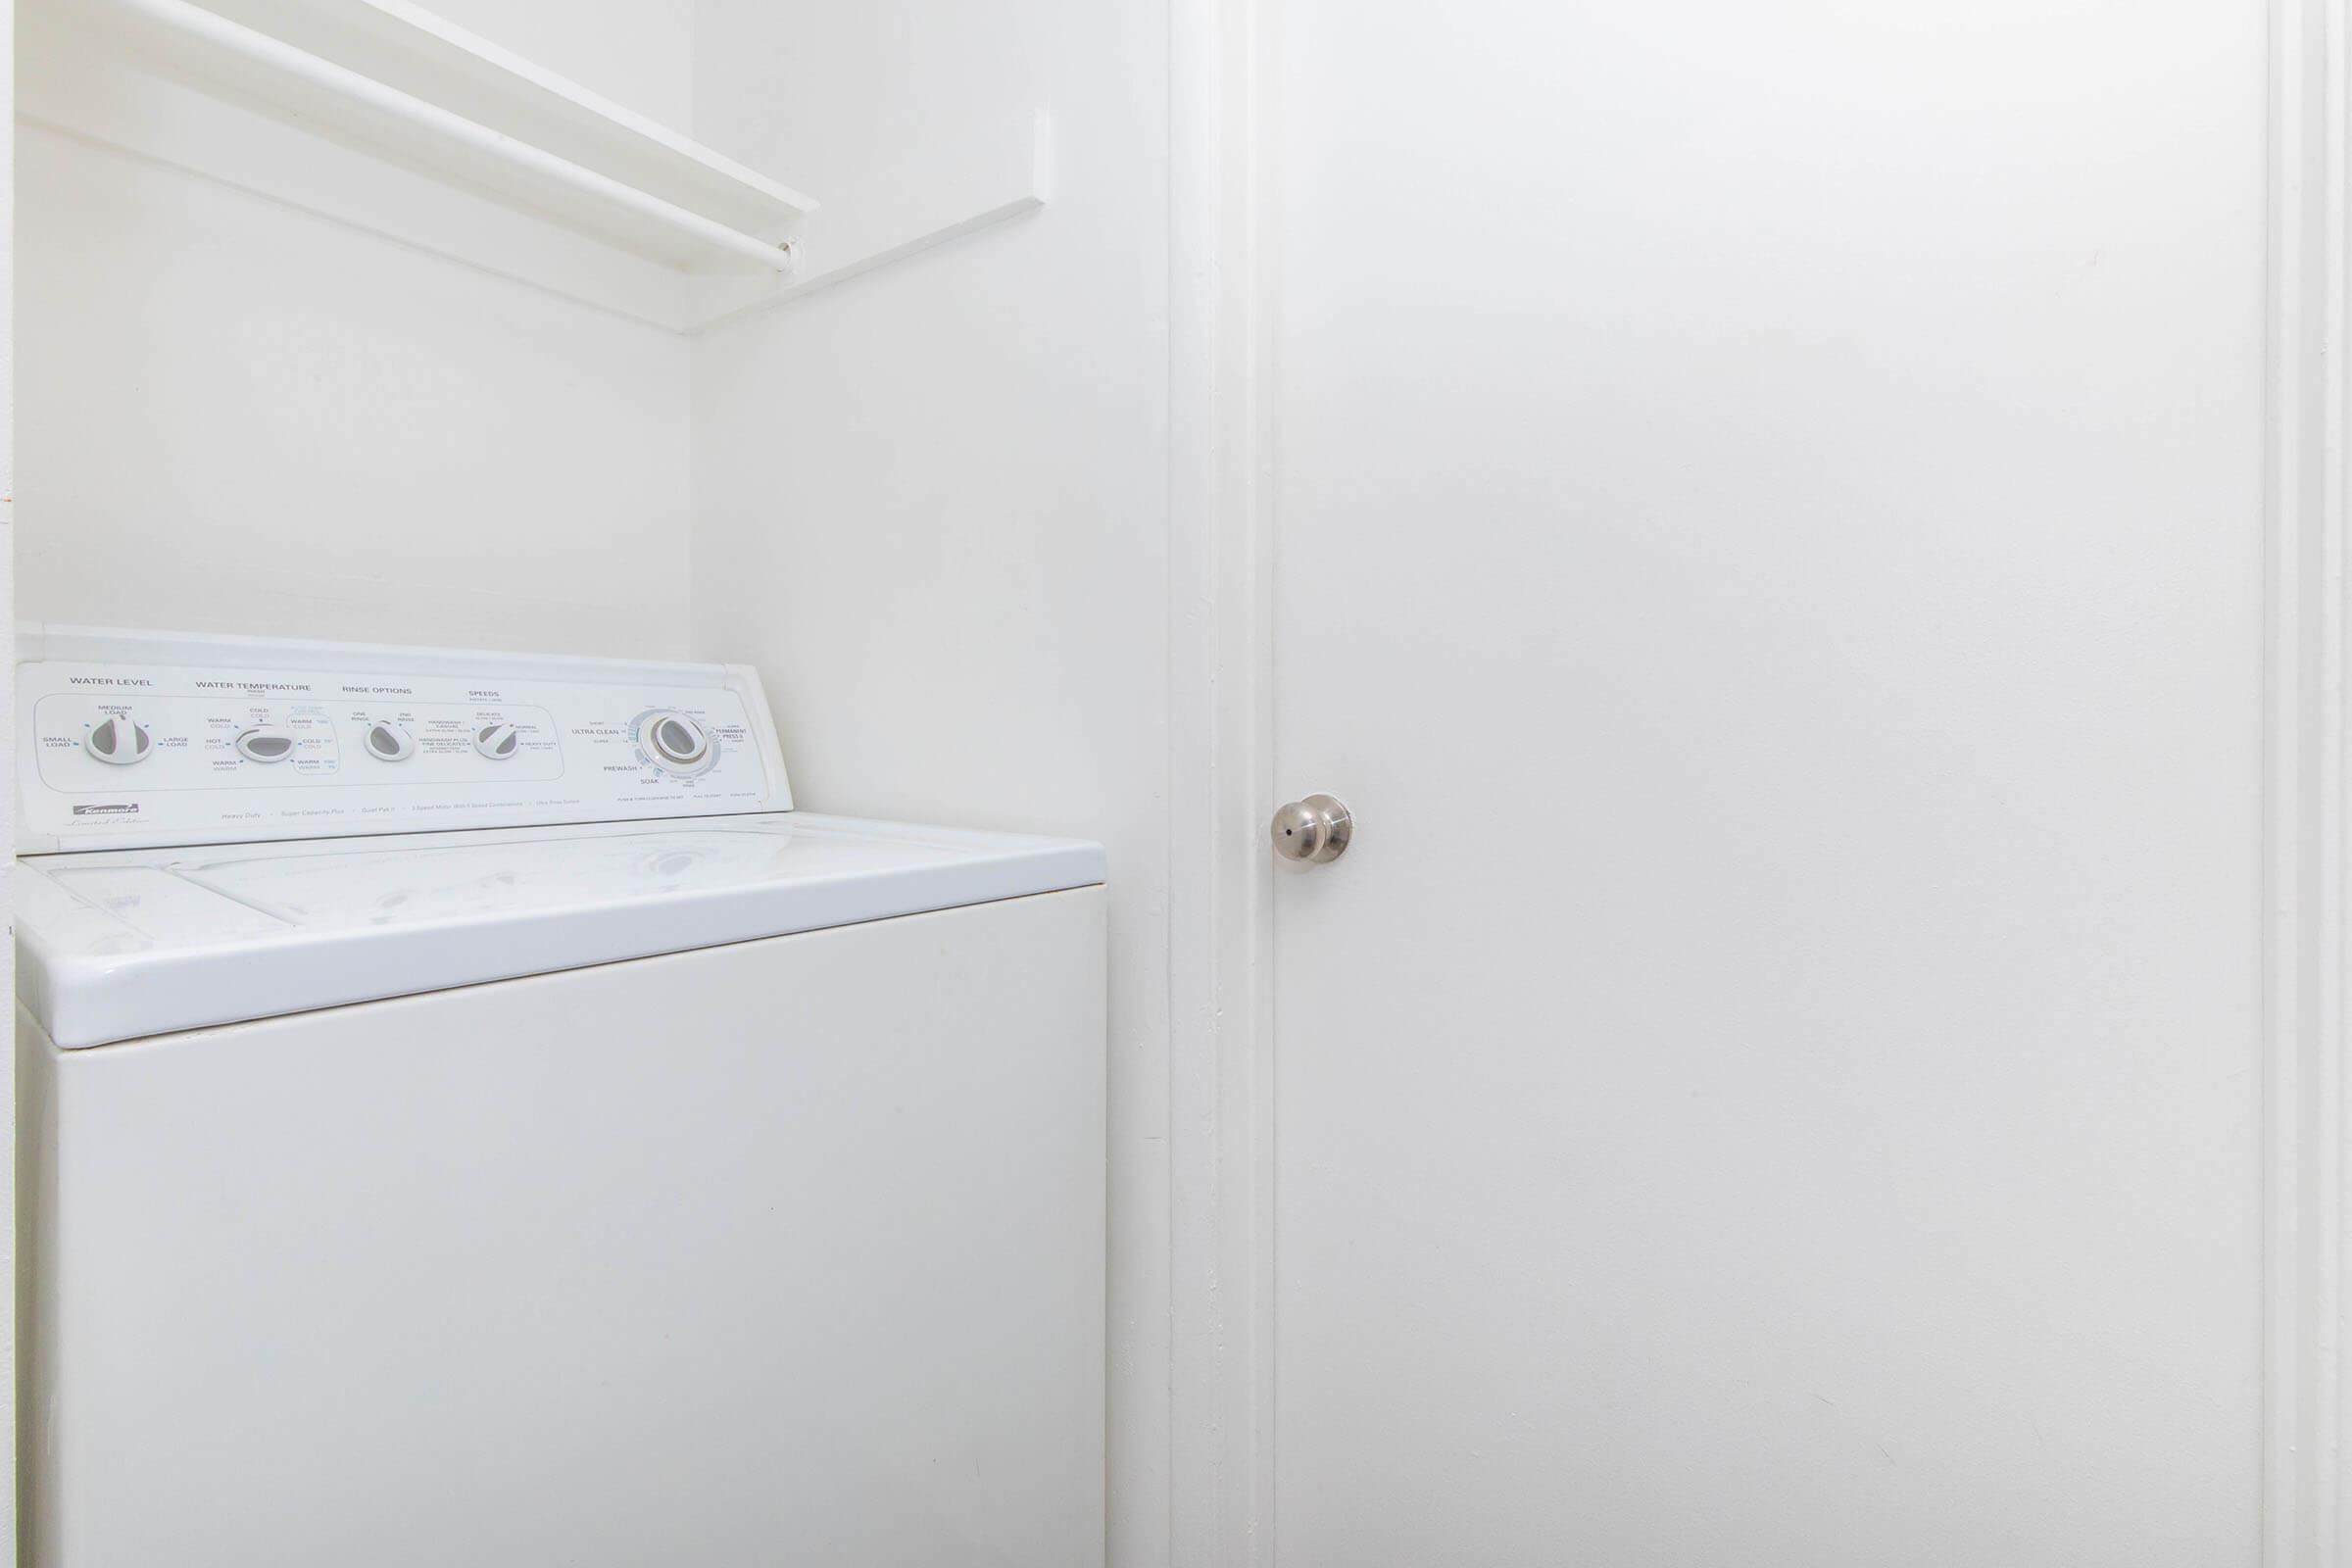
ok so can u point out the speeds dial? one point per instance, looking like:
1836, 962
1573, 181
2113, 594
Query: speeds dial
675, 743
497, 741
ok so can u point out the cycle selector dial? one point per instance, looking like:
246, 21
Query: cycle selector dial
497, 741
118, 739
675, 743
266, 742
387, 742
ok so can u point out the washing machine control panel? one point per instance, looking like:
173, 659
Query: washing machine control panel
133, 739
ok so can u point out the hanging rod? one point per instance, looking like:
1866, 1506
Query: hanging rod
245, 44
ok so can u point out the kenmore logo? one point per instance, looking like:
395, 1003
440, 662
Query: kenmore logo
111, 808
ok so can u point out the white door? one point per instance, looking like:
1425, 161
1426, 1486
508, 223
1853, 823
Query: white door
1767, 543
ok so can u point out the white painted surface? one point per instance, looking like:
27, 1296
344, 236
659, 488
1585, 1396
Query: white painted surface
297, 429
107, 98
962, 177
672, 1261
637, 53
2307, 1462
1808, 455
1773, 553
1222, 1377
404, 85
931, 508
422, 52
8, 626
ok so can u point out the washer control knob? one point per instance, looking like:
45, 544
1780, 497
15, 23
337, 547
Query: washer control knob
266, 742
497, 741
675, 743
387, 742
118, 739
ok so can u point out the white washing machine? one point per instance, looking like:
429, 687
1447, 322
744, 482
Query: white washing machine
469, 1118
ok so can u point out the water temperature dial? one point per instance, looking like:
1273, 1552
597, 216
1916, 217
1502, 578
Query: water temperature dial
266, 742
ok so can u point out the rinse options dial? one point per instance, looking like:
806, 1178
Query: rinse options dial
388, 742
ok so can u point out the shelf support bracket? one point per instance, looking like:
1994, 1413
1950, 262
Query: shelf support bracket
967, 183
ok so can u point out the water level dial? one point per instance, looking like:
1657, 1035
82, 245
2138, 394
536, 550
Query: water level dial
118, 739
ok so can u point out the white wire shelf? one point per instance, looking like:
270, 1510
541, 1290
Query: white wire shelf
407, 88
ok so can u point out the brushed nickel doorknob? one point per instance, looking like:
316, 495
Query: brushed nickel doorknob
1314, 831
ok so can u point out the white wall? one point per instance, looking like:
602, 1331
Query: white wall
931, 506
7, 732
240, 417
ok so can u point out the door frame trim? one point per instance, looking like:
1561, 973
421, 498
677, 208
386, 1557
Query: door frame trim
2306, 959
1222, 155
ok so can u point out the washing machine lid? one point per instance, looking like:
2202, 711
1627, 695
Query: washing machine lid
121, 944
